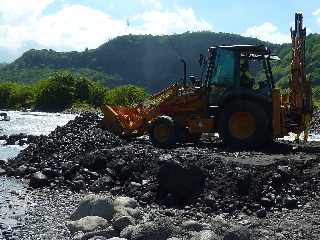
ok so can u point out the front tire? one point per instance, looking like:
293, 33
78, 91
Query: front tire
163, 132
244, 123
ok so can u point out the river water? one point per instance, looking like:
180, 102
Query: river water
30, 123
13, 193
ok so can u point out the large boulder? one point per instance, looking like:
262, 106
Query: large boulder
126, 207
191, 225
126, 202
150, 230
87, 224
122, 222
179, 180
105, 233
38, 179
205, 235
237, 233
94, 206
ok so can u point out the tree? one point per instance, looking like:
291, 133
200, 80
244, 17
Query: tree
125, 95
58, 94
83, 89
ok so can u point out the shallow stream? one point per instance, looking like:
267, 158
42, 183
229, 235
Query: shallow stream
13, 193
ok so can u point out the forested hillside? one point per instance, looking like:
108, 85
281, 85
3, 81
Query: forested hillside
282, 69
149, 61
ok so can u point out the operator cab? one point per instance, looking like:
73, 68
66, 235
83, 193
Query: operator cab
239, 69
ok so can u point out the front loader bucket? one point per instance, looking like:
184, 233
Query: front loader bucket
123, 120
133, 121
110, 120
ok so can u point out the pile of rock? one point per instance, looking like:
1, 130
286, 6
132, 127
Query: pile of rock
121, 219
83, 157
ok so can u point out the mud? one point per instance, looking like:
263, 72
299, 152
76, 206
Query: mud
278, 180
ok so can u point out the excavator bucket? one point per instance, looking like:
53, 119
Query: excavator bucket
128, 121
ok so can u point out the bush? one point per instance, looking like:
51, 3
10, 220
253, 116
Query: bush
125, 95
65, 90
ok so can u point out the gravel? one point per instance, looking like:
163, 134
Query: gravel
271, 192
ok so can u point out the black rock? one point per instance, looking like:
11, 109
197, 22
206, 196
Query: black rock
170, 200
179, 180
262, 213
244, 181
277, 181
102, 184
2, 172
22, 170
3, 162
50, 173
3, 137
290, 203
266, 202
78, 185
285, 172
38, 179
12, 139
237, 233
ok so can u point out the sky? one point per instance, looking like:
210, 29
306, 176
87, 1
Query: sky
69, 25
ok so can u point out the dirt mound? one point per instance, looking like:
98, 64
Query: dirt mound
81, 156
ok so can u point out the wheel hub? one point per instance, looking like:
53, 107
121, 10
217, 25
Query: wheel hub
242, 125
162, 133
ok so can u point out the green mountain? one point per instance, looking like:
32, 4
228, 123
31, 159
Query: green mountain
149, 61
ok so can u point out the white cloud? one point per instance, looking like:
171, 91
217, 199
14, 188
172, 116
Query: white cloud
317, 14
267, 32
75, 27
164, 22
17, 11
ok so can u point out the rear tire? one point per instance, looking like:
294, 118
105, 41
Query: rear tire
163, 132
244, 123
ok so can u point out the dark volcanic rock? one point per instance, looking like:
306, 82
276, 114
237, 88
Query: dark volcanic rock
262, 213
290, 202
102, 184
208, 177
12, 139
237, 233
38, 179
151, 230
2, 172
179, 180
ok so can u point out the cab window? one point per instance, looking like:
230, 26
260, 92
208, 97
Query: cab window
224, 70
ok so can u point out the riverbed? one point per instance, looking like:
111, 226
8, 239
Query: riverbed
41, 213
14, 197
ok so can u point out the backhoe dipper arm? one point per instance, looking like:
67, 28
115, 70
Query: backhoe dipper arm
301, 94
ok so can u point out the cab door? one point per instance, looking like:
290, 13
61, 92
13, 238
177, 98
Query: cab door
224, 75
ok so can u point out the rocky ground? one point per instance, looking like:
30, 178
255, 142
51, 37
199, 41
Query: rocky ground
194, 191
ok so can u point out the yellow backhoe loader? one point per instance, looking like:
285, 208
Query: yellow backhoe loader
236, 99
